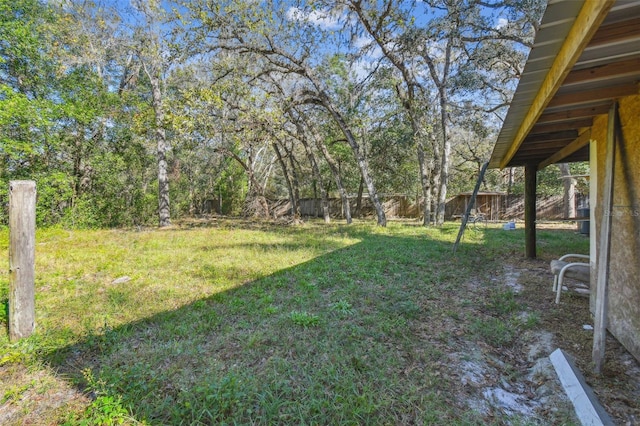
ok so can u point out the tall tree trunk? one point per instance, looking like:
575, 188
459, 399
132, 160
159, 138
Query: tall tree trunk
419, 136
436, 174
287, 179
255, 202
326, 213
77, 168
359, 199
346, 209
569, 193
361, 159
440, 80
510, 180
424, 184
407, 96
295, 182
164, 213
443, 175
444, 179
193, 208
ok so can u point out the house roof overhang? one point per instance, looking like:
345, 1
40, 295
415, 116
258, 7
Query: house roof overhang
586, 55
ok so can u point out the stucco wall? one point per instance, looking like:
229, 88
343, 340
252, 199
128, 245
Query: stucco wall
624, 271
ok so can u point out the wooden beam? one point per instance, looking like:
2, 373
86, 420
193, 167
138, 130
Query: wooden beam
580, 142
521, 162
572, 114
542, 151
584, 27
563, 125
603, 72
616, 32
530, 185
579, 155
600, 94
604, 250
585, 402
468, 207
541, 144
537, 157
551, 136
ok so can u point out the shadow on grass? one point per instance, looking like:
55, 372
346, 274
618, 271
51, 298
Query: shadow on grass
356, 336
330, 341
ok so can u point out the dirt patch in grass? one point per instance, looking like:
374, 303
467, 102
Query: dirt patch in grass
499, 361
570, 324
516, 377
36, 396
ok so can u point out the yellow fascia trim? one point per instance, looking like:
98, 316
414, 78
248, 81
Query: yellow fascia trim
584, 27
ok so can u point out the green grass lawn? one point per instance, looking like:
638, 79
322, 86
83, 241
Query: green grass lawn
238, 323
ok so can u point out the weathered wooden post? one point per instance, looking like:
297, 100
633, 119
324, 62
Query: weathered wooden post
604, 249
530, 185
22, 238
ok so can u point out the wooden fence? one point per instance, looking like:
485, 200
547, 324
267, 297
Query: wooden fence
498, 207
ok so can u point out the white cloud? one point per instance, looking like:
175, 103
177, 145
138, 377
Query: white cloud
361, 42
321, 18
502, 22
361, 68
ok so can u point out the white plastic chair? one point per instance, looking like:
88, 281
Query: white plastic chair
562, 269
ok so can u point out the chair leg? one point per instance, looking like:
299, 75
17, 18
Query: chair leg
559, 285
555, 283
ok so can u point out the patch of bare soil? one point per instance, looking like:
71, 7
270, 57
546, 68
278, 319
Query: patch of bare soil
568, 325
512, 384
37, 397
517, 382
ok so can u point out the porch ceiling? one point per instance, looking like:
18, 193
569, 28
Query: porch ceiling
586, 55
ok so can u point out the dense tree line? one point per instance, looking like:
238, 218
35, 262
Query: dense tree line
137, 112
